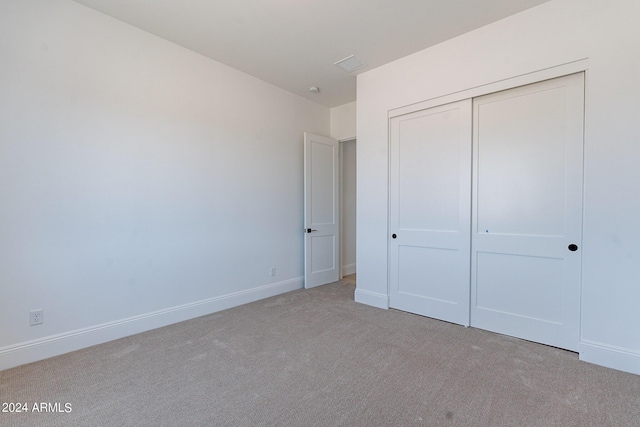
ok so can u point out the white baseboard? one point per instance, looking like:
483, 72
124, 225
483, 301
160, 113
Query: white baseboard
371, 298
43, 348
348, 269
612, 357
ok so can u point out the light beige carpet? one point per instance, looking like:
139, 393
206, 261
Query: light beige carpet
316, 358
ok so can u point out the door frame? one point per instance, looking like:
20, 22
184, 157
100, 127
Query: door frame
329, 228
580, 65
341, 201
342, 204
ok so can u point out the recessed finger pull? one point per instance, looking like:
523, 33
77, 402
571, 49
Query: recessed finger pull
573, 247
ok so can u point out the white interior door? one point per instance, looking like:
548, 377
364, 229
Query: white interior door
527, 211
430, 212
321, 210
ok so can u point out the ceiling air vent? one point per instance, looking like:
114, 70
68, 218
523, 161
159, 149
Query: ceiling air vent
349, 64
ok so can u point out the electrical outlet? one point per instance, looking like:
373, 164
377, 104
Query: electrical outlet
273, 272
35, 317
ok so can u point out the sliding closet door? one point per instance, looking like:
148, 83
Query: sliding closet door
527, 211
430, 212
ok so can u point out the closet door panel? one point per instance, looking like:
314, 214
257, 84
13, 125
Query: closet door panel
527, 211
430, 189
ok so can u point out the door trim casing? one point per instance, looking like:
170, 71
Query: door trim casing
573, 67
578, 66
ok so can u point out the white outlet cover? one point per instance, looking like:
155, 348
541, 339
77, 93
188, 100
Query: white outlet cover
36, 317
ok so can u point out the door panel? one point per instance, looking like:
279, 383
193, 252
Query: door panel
322, 179
321, 210
322, 250
420, 263
430, 187
520, 285
527, 210
522, 160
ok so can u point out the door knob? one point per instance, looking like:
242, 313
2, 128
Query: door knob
573, 247
393, 236
308, 230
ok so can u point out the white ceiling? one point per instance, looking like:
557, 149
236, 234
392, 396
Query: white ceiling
293, 44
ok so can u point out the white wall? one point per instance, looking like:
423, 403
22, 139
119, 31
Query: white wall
555, 33
141, 184
343, 121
